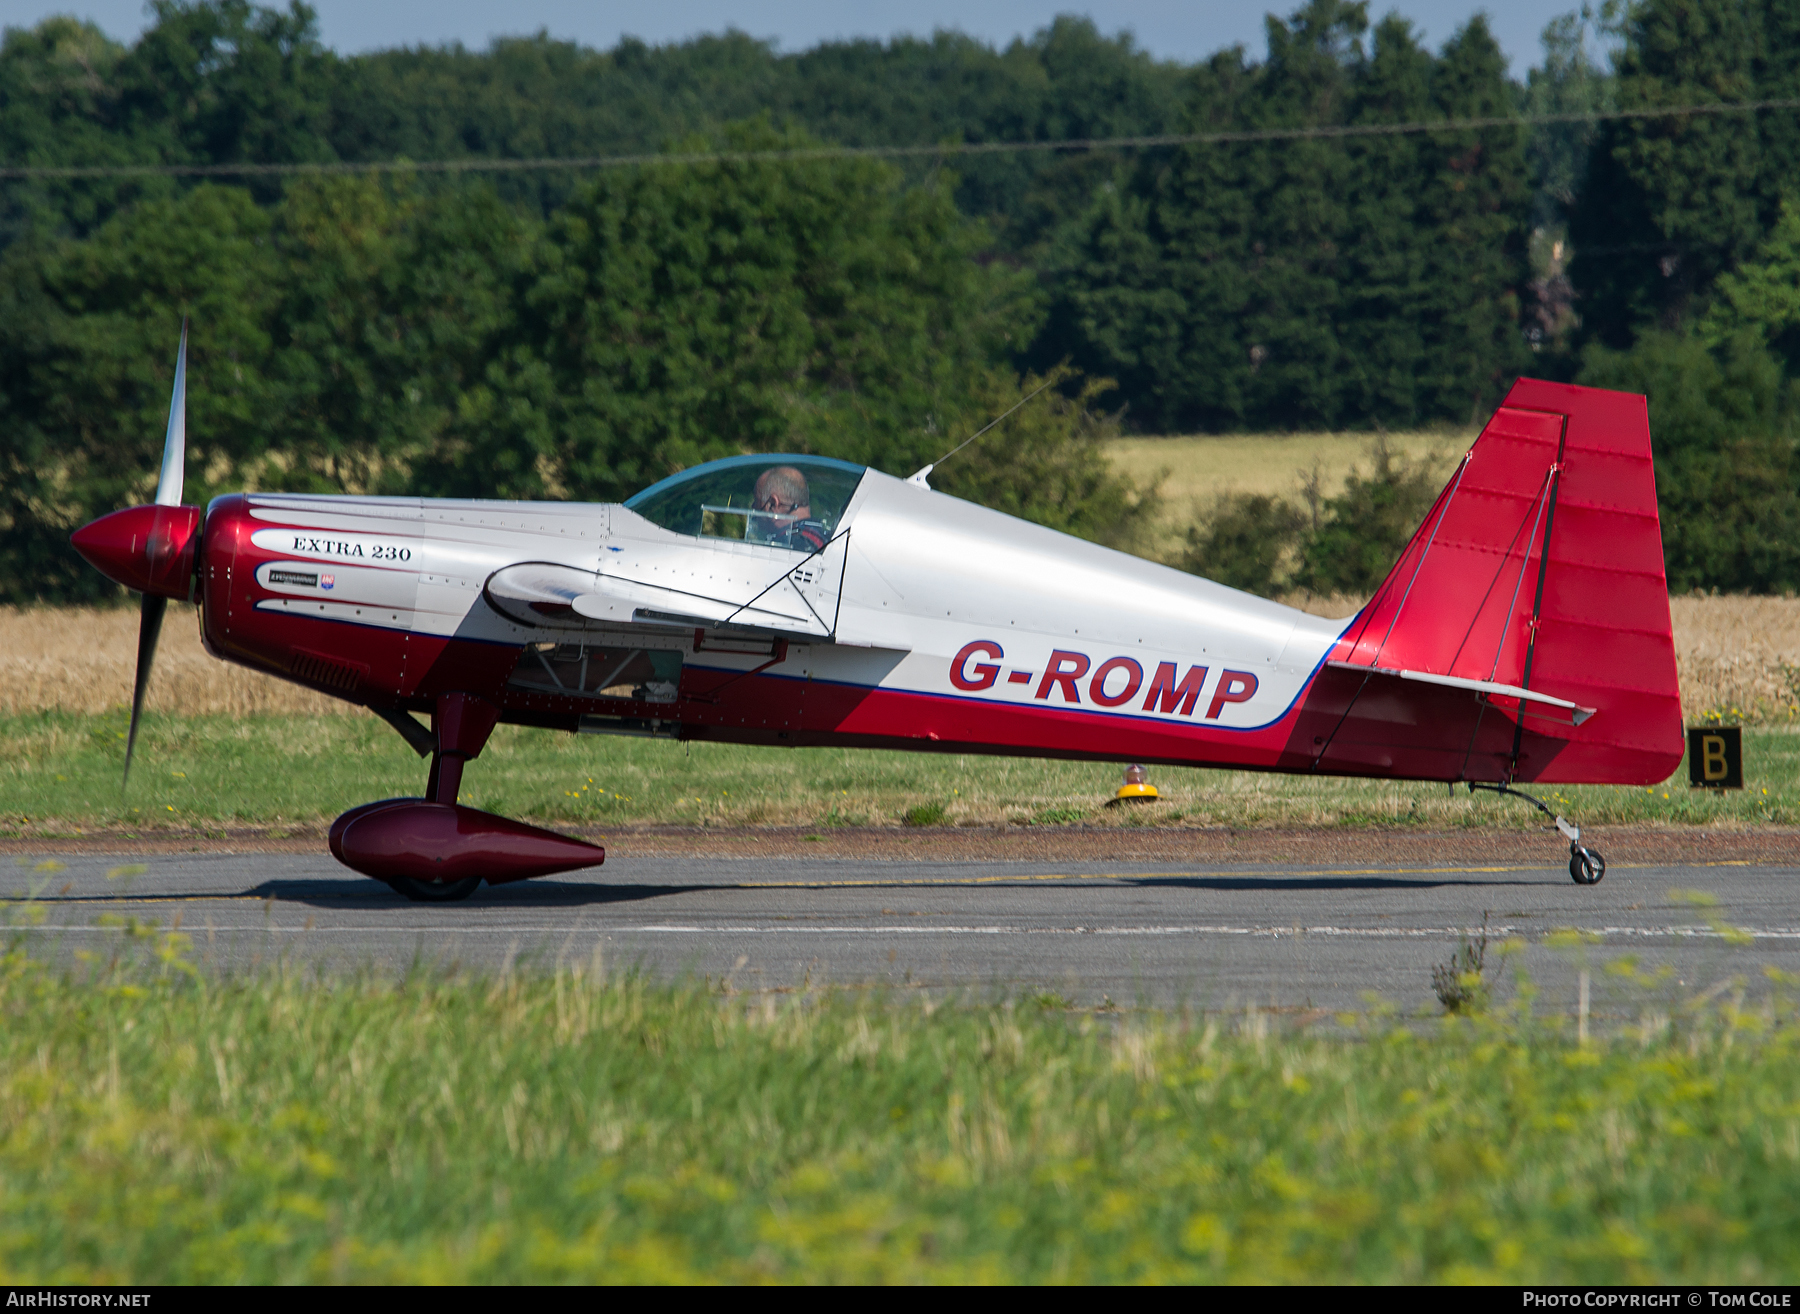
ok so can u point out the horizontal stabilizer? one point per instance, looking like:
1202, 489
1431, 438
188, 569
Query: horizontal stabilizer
1577, 714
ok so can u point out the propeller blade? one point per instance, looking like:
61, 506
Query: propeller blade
149, 630
174, 463
168, 493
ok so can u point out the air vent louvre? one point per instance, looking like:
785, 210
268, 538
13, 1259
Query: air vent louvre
317, 668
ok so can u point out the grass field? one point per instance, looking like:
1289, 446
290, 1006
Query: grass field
1196, 471
162, 1126
59, 772
224, 746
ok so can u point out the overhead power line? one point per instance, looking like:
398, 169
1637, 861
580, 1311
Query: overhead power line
587, 162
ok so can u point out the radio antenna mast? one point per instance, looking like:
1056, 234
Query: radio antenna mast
919, 478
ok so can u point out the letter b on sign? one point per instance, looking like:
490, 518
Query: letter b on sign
1716, 758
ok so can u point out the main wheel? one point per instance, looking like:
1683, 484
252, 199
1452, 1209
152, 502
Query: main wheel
435, 891
1586, 866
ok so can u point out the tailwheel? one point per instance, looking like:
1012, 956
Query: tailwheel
435, 891
1586, 865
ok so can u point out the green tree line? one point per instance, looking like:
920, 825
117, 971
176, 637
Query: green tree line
370, 335
567, 334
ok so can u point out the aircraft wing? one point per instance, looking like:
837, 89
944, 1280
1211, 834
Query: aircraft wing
683, 587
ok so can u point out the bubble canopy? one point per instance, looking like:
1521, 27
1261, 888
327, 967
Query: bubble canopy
803, 499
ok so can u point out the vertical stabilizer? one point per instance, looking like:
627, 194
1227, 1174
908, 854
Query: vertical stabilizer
1540, 566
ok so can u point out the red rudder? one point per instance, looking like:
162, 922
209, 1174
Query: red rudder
1541, 566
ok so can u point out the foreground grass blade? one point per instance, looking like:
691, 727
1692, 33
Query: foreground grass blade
161, 1127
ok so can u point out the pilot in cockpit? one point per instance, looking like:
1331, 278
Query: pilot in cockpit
782, 493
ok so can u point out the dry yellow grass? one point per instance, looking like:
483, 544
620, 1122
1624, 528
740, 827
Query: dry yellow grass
80, 659
1332, 606
1738, 656
1198, 470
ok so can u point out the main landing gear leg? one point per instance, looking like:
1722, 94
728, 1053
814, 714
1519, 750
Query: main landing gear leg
1586, 866
462, 725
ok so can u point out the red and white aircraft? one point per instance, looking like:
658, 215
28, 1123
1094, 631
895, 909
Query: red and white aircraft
783, 599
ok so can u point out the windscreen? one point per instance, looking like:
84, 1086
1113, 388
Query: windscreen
786, 501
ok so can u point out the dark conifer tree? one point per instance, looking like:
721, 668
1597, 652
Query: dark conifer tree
1317, 281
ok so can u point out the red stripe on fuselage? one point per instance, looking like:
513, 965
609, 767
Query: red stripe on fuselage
1340, 725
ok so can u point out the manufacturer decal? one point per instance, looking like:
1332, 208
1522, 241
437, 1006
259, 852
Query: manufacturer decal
372, 549
338, 547
295, 577
328, 582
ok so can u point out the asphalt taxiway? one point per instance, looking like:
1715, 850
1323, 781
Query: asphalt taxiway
1209, 935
